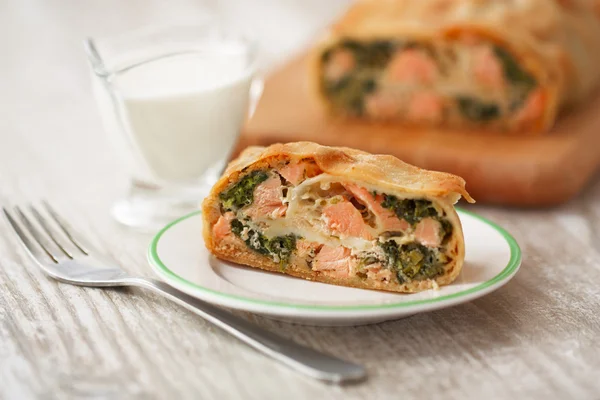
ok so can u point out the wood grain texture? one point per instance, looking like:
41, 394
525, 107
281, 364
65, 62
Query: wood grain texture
535, 338
527, 170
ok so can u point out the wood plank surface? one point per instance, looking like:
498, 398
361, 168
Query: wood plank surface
535, 338
501, 169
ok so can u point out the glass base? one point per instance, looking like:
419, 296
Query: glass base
149, 208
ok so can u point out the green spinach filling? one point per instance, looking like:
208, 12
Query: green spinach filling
372, 57
477, 110
414, 210
521, 83
513, 71
373, 54
241, 194
349, 91
279, 248
413, 261
411, 210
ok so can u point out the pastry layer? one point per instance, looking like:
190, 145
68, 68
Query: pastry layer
458, 82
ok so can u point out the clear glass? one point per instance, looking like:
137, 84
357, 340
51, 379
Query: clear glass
173, 100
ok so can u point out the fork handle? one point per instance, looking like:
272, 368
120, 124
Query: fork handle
300, 358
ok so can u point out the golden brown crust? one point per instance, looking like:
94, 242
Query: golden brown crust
387, 173
557, 41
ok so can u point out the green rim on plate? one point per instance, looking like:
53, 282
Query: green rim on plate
511, 267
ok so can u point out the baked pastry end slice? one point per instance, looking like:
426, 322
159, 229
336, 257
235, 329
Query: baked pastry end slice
338, 216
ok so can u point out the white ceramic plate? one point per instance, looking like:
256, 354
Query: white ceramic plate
179, 257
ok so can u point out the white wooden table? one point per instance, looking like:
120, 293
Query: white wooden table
538, 337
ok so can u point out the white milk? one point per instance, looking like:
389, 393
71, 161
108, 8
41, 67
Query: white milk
183, 112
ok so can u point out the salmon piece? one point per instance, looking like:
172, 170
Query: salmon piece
335, 261
296, 172
344, 219
487, 69
533, 108
412, 66
428, 232
340, 64
425, 106
387, 218
470, 38
382, 105
267, 200
305, 248
293, 172
223, 226
377, 273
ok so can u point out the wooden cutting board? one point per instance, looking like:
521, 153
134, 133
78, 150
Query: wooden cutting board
500, 169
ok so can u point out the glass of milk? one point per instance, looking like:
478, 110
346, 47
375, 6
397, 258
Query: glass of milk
173, 100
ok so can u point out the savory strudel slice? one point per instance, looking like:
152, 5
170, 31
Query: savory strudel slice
483, 64
339, 216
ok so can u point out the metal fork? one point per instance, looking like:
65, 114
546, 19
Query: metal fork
65, 255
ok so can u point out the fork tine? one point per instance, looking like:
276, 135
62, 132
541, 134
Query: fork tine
29, 246
36, 234
67, 230
49, 231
